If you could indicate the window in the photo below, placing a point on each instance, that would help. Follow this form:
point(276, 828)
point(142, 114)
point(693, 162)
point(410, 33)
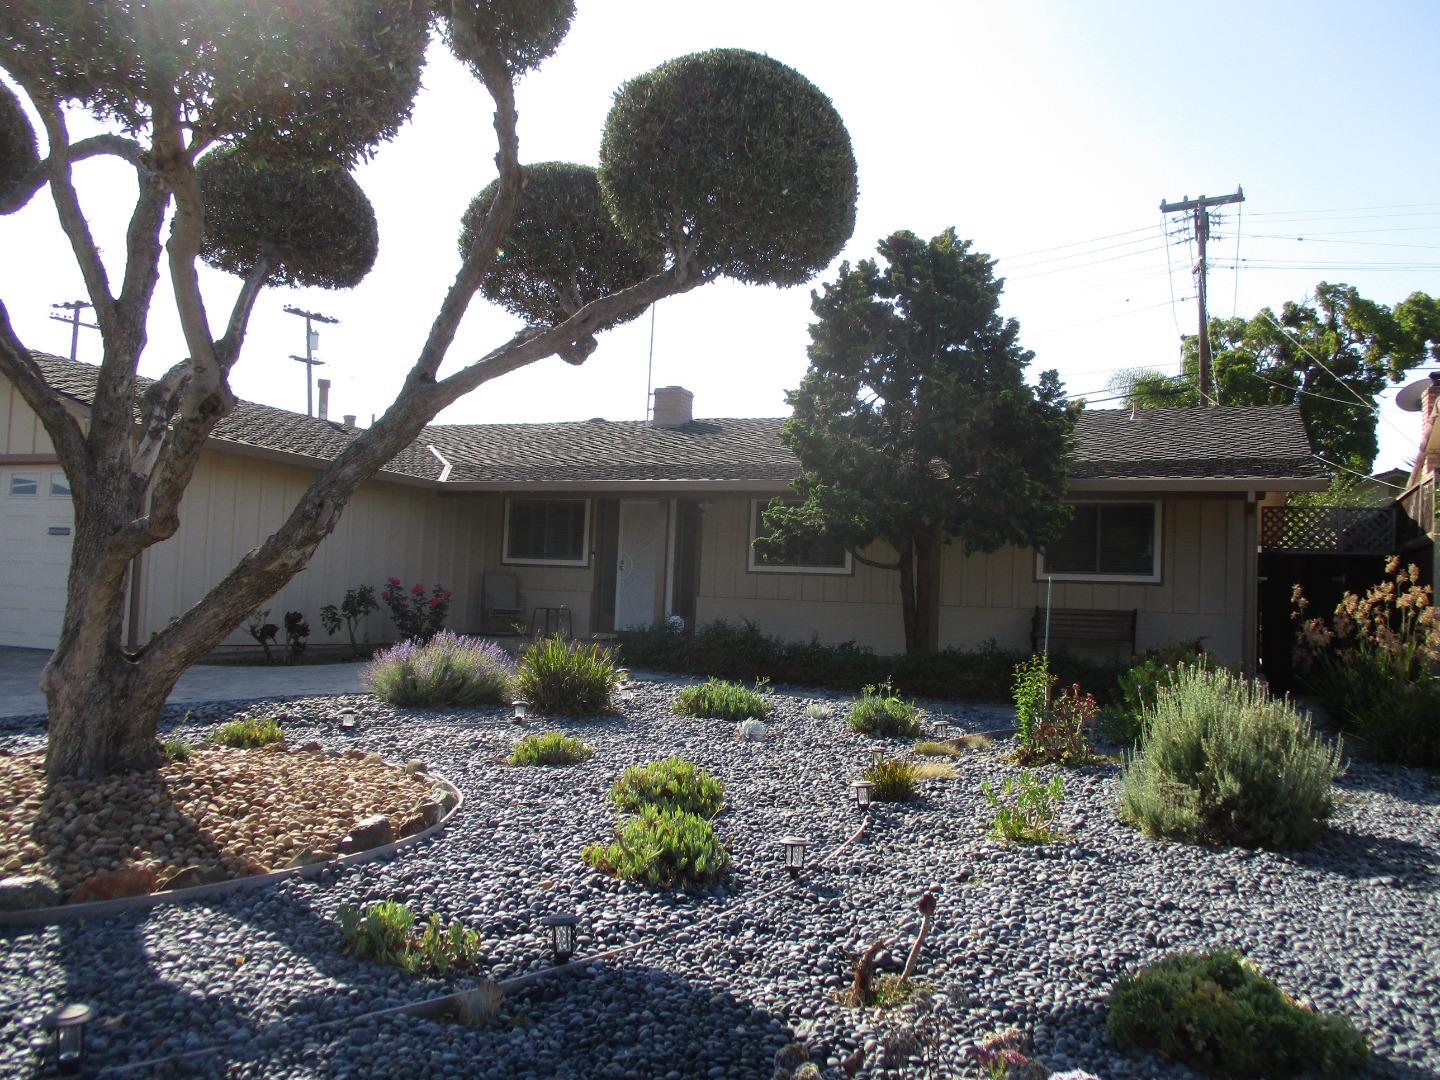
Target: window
point(24, 485)
point(555, 531)
point(1107, 542)
point(59, 485)
point(820, 557)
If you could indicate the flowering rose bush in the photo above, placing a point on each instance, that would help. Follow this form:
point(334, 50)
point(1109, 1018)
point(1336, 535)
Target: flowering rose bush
point(1373, 665)
point(415, 616)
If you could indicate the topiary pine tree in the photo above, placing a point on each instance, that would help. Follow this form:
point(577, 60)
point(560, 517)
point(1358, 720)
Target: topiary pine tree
point(239, 118)
point(914, 424)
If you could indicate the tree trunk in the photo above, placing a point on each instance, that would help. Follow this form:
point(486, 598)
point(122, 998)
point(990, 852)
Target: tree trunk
point(917, 595)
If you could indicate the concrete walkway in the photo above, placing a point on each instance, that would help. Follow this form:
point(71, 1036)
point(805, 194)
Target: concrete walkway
point(20, 678)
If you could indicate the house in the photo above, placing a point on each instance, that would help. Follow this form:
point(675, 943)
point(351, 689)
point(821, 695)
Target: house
point(624, 523)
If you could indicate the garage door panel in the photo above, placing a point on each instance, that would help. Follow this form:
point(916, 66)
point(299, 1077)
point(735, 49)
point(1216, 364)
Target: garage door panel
point(35, 540)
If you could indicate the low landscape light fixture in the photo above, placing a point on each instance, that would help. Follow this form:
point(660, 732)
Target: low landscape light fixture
point(862, 791)
point(942, 729)
point(522, 709)
point(562, 936)
point(794, 853)
point(67, 1035)
point(877, 755)
point(347, 719)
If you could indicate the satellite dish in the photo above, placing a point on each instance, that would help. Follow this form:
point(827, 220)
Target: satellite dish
point(1412, 398)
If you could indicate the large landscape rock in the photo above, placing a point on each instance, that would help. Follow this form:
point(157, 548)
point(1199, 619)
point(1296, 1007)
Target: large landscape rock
point(370, 833)
point(26, 892)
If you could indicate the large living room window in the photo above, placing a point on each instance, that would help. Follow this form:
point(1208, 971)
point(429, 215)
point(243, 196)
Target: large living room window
point(820, 557)
point(1106, 541)
point(551, 531)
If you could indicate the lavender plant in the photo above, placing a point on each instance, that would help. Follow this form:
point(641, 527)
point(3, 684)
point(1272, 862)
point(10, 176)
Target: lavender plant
point(448, 671)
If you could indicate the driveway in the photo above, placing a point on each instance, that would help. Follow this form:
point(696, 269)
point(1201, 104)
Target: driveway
point(20, 678)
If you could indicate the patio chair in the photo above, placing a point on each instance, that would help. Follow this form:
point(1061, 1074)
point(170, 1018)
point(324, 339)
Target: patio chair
point(500, 597)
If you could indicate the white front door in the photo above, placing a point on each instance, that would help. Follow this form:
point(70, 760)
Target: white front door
point(36, 525)
point(638, 566)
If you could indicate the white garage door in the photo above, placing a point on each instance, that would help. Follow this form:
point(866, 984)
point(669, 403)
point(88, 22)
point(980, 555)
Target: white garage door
point(36, 523)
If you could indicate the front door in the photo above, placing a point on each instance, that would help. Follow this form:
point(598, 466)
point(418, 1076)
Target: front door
point(638, 563)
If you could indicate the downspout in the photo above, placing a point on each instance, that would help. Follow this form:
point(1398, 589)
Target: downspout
point(1250, 618)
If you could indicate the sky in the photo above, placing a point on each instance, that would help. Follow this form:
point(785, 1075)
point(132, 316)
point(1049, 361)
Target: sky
point(1046, 132)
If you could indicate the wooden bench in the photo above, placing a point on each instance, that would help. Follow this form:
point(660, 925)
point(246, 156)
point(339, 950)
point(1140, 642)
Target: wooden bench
point(1083, 624)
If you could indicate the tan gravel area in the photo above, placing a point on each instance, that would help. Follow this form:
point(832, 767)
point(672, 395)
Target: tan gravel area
point(227, 812)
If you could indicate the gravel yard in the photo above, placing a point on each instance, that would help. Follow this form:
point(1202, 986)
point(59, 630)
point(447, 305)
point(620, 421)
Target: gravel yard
point(1023, 936)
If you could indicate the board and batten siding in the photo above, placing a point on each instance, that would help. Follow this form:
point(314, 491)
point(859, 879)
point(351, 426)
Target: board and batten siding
point(20, 429)
point(234, 502)
point(1201, 593)
point(572, 587)
point(862, 606)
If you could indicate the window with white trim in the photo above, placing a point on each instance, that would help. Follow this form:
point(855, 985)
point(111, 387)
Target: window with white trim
point(1106, 541)
point(59, 486)
point(555, 532)
point(817, 557)
point(24, 485)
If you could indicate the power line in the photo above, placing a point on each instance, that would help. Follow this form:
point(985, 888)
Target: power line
point(1077, 243)
point(1355, 472)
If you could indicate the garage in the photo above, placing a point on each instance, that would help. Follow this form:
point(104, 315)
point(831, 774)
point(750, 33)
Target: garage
point(36, 526)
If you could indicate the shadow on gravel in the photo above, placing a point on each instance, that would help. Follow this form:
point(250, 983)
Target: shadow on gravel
point(1409, 785)
point(624, 1022)
point(1359, 855)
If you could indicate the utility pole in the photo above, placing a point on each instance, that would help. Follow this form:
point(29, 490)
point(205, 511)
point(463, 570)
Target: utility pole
point(74, 307)
point(1201, 209)
point(312, 338)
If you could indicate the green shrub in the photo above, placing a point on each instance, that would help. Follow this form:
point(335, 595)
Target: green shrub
point(551, 748)
point(445, 672)
point(720, 700)
point(1024, 808)
point(385, 932)
point(881, 713)
point(566, 678)
point(1224, 762)
point(740, 652)
point(1138, 684)
point(176, 749)
point(1050, 728)
point(671, 782)
point(894, 780)
point(662, 846)
point(1373, 665)
point(248, 732)
point(1217, 1013)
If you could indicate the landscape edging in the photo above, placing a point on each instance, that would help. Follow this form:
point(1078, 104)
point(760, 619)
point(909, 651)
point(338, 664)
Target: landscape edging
point(49, 916)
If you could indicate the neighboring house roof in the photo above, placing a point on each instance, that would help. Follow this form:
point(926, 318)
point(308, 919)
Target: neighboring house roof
point(1229, 443)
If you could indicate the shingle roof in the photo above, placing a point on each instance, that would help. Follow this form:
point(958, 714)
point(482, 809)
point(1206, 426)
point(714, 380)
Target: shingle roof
point(598, 450)
point(1221, 442)
point(250, 424)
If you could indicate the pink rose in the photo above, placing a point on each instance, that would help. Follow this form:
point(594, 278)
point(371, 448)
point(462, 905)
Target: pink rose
point(393, 582)
point(418, 590)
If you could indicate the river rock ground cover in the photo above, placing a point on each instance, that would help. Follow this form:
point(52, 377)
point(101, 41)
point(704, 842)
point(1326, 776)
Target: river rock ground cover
point(1029, 937)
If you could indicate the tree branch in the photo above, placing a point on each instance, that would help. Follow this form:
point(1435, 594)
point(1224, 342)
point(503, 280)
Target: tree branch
point(72, 219)
point(94, 146)
point(478, 260)
point(64, 430)
point(875, 562)
point(228, 347)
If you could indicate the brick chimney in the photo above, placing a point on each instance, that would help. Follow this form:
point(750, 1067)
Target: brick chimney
point(674, 407)
point(324, 409)
point(349, 419)
point(1427, 461)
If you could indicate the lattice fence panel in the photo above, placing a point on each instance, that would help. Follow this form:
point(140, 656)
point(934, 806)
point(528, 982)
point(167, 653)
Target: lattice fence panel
point(1335, 530)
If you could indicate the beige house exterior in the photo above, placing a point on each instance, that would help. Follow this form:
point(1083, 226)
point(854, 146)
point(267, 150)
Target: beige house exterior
point(628, 523)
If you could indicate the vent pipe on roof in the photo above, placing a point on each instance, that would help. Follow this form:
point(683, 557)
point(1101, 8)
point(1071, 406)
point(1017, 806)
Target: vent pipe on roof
point(674, 407)
point(324, 411)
